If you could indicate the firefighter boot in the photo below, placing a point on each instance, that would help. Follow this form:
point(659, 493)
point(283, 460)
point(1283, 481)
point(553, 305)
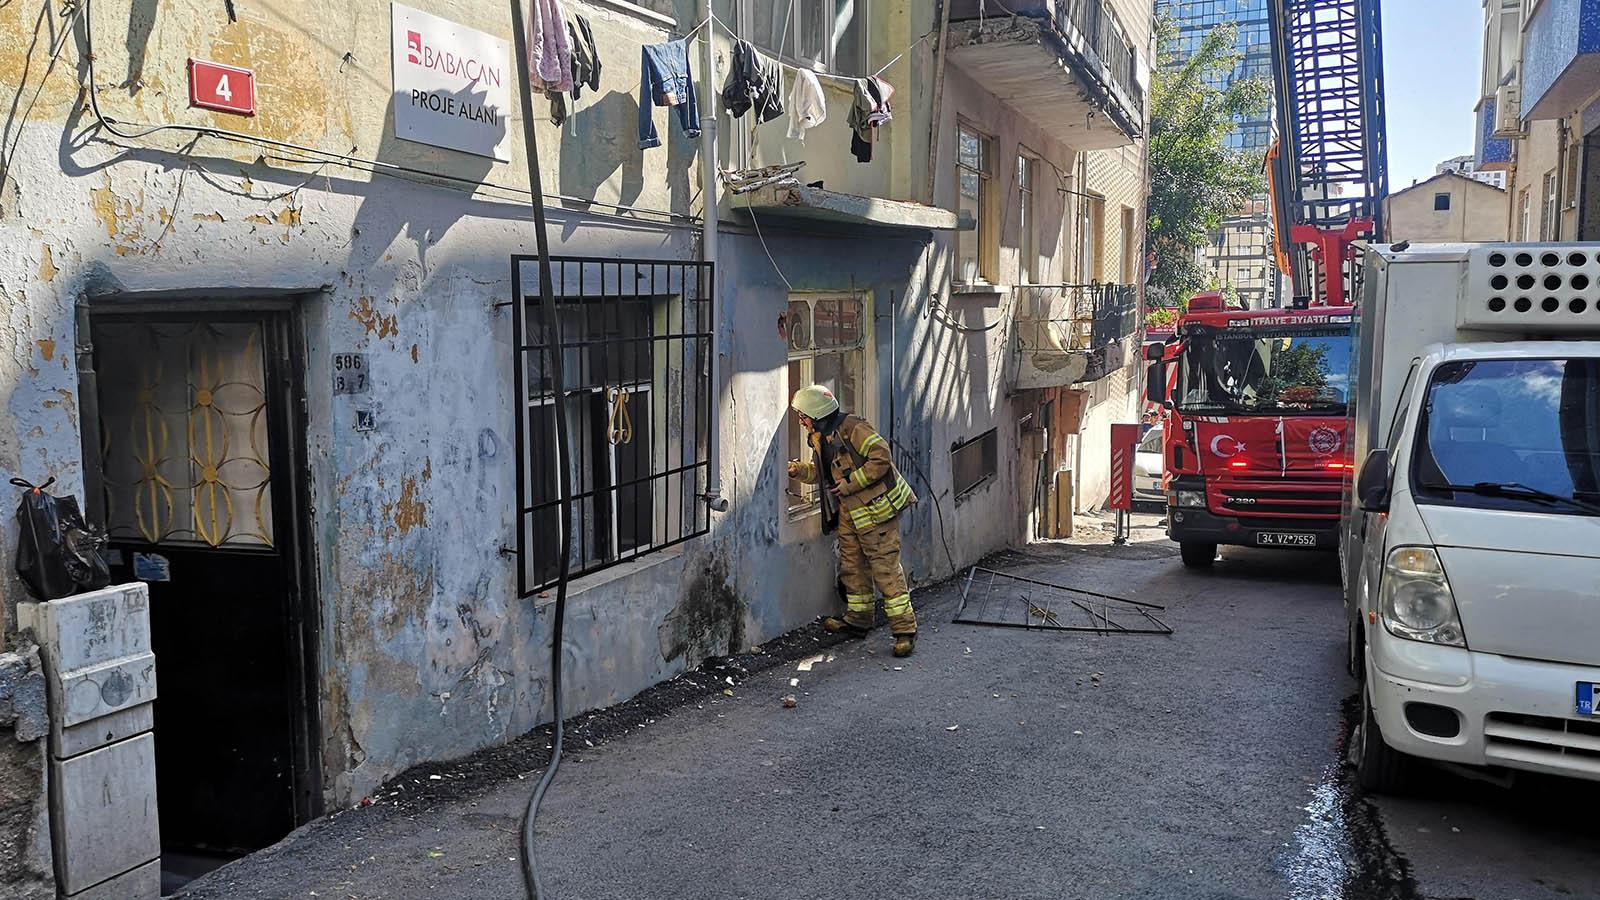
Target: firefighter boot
point(905, 643)
point(841, 625)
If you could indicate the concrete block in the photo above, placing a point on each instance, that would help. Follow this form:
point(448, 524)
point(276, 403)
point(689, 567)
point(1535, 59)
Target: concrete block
point(124, 723)
point(97, 653)
point(143, 883)
point(103, 813)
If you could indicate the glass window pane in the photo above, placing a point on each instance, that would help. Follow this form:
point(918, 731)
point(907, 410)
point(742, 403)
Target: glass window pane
point(815, 29)
point(969, 152)
point(850, 322)
point(849, 37)
point(826, 316)
point(798, 323)
point(798, 492)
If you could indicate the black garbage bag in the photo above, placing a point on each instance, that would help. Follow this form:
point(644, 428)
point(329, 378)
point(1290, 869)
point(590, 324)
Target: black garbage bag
point(58, 554)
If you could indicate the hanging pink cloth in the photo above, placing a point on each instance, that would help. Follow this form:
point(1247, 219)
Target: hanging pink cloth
point(549, 52)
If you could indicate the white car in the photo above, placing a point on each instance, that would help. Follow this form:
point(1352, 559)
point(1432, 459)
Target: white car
point(1147, 471)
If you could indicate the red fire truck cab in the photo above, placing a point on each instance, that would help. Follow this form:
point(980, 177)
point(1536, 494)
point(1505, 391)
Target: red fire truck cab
point(1255, 450)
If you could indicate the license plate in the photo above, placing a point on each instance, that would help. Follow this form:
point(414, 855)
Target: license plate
point(1285, 539)
point(1588, 695)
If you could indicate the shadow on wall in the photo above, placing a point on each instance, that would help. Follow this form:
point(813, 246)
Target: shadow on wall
point(598, 141)
point(379, 220)
point(141, 21)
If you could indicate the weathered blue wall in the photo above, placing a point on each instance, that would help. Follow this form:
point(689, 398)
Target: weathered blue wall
point(1490, 148)
point(1558, 34)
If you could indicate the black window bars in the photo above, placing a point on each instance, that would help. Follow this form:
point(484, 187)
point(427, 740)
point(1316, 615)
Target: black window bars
point(636, 338)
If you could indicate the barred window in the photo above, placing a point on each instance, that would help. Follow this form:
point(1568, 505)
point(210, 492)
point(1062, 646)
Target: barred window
point(635, 339)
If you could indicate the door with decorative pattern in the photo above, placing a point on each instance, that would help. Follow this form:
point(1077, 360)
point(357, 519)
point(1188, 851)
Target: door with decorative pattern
point(195, 456)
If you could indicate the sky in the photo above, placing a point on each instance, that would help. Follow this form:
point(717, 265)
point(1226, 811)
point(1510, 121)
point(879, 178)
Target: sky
point(1432, 58)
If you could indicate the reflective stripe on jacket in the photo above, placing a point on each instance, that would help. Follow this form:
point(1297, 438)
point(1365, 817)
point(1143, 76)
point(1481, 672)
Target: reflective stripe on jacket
point(871, 489)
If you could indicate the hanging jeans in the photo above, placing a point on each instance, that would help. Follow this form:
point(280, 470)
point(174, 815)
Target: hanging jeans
point(664, 80)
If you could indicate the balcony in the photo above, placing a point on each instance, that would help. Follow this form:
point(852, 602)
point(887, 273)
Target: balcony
point(1072, 333)
point(1560, 58)
point(1066, 65)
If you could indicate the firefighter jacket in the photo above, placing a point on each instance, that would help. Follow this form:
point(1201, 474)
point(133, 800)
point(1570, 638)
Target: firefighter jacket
point(871, 489)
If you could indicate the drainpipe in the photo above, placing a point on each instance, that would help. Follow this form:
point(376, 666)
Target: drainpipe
point(938, 98)
point(708, 244)
point(94, 495)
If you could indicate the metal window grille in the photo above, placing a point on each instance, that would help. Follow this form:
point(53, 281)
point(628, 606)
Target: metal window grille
point(974, 462)
point(636, 338)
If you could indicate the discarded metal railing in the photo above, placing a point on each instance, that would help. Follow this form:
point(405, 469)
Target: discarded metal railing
point(1012, 601)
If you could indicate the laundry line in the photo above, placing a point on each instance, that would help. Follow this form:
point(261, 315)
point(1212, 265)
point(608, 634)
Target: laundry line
point(850, 79)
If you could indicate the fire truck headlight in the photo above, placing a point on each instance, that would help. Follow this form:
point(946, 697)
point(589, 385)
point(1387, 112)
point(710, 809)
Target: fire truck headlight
point(1190, 499)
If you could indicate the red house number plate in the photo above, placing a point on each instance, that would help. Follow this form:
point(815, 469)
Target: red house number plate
point(223, 88)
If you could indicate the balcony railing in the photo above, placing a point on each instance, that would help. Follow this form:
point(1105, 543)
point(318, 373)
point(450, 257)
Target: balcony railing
point(1089, 28)
point(1068, 333)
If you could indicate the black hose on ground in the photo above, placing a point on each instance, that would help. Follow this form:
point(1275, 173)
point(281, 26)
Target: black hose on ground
point(531, 881)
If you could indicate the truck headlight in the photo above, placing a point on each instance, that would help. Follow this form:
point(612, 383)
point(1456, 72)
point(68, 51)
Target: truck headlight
point(1190, 499)
point(1415, 599)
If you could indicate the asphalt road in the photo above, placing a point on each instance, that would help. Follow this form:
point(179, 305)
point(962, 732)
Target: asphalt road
point(995, 763)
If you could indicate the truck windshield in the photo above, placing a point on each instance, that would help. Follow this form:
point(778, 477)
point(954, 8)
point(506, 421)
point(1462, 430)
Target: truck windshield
point(1512, 434)
point(1284, 371)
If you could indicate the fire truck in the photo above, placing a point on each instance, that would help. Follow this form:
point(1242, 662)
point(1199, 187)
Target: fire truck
point(1256, 435)
point(1255, 445)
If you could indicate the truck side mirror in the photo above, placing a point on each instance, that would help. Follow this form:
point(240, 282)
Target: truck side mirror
point(1155, 351)
point(1155, 385)
point(1372, 487)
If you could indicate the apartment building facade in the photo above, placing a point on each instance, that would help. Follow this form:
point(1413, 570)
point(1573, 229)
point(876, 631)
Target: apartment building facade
point(291, 351)
point(1539, 116)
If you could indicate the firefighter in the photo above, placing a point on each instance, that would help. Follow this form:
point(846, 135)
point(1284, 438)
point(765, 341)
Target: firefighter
point(863, 499)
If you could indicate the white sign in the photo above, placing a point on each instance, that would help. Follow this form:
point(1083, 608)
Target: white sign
point(452, 85)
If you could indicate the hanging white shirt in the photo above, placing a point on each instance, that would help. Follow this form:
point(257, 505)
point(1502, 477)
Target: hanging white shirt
point(807, 108)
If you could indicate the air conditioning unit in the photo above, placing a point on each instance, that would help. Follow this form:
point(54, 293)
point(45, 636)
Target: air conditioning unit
point(1508, 111)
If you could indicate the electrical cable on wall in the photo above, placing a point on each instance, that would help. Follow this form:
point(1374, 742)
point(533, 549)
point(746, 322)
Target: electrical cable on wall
point(555, 369)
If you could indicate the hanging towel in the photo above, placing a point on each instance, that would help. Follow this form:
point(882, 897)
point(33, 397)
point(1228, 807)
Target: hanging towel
point(665, 80)
point(753, 82)
point(870, 110)
point(807, 108)
point(549, 53)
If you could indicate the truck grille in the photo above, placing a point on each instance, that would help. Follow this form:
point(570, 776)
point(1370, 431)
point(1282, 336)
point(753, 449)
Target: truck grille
point(1564, 744)
point(1272, 501)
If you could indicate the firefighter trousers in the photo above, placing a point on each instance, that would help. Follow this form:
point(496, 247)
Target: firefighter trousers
point(870, 559)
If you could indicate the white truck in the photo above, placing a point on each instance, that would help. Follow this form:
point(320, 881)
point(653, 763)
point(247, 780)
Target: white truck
point(1470, 540)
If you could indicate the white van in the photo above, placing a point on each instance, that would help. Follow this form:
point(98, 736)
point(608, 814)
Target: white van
point(1471, 536)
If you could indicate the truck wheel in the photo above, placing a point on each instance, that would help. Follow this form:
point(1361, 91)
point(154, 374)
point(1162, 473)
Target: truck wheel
point(1380, 769)
point(1197, 555)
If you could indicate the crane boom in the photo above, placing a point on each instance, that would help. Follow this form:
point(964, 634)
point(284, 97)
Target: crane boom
point(1330, 169)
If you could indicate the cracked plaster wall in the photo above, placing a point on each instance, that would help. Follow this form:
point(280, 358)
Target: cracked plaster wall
point(425, 651)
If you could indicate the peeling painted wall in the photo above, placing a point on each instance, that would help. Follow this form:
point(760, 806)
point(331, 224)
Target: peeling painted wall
point(425, 651)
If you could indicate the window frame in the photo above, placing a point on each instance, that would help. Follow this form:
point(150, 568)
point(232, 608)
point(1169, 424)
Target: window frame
point(1442, 195)
point(801, 500)
point(1549, 213)
point(790, 54)
point(1091, 237)
point(1524, 212)
point(988, 445)
point(1027, 218)
point(1130, 248)
point(984, 233)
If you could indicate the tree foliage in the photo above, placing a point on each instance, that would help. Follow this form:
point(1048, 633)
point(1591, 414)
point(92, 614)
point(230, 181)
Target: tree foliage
point(1195, 179)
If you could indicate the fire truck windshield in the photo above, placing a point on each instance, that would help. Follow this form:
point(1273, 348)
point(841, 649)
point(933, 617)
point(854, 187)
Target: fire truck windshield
point(1278, 371)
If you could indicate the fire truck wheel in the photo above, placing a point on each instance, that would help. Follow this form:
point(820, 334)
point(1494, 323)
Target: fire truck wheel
point(1197, 555)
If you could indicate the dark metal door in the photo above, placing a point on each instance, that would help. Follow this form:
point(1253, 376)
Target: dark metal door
point(197, 459)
